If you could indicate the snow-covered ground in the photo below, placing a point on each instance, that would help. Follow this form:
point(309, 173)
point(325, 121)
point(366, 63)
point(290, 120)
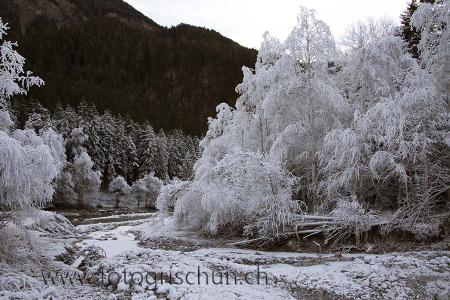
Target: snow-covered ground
point(158, 261)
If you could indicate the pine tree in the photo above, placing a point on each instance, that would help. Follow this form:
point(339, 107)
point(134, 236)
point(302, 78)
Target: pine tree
point(132, 150)
point(108, 148)
point(65, 120)
point(161, 159)
point(409, 34)
point(131, 158)
point(176, 146)
point(92, 126)
point(146, 149)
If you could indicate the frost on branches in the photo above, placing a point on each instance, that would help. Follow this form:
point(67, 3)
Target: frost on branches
point(120, 188)
point(347, 135)
point(79, 182)
point(244, 189)
point(27, 164)
point(395, 153)
point(146, 190)
point(170, 194)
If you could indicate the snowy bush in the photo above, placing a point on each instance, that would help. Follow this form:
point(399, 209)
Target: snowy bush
point(170, 194)
point(242, 189)
point(50, 222)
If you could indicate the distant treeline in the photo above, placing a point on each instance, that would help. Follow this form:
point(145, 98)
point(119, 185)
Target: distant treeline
point(117, 146)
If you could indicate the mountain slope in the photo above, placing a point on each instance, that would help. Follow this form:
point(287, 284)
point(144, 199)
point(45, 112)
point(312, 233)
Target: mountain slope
point(108, 53)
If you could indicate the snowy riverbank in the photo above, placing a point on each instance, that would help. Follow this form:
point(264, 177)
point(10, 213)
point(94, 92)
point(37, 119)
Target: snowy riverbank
point(166, 263)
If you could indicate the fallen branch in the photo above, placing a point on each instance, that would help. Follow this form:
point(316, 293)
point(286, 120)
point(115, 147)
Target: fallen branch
point(245, 242)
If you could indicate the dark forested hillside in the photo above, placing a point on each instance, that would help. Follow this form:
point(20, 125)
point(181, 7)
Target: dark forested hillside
point(106, 52)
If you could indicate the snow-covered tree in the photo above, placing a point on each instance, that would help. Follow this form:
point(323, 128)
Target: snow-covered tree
point(146, 148)
point(146, 190)
point(14, 79)
point(120, 188)
point(79, 175)
point(26, 176)
point(287, 106)
point(56, 144)
point(396, 152)
point(65, 195)
point(432, 21)
point(27, 167)
point(160, 160)
point(302, 102)
point(154, 185)
point(86, 181)
point(362, 34)
point(139, 191)
point(39, 119)
point(243, 191)
point(373, 72)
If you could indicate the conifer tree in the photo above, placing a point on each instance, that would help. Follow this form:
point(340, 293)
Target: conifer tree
point(146, 149)
point(409, 34)
point(161, 159)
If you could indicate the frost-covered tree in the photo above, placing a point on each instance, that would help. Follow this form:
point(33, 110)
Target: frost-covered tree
point(287, 106)
point(361, 34)
point(303, 102)
point(27, 167)
point(65, 120)
point(146, 190)
point(394, 154)
point(182, 151)
point(373, 72)
point(26, 177)
point(154, 185)
point(86, 181)
point(432, 21)
point(369, 130)
point(243, 191)
point(139, 191)
point(79, 176)
point(14, 79)
point(120, 188)
point(39, 119)
point(56, 144)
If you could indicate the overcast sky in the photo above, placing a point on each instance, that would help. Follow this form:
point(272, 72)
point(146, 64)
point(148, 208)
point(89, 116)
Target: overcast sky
point(245, 21)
